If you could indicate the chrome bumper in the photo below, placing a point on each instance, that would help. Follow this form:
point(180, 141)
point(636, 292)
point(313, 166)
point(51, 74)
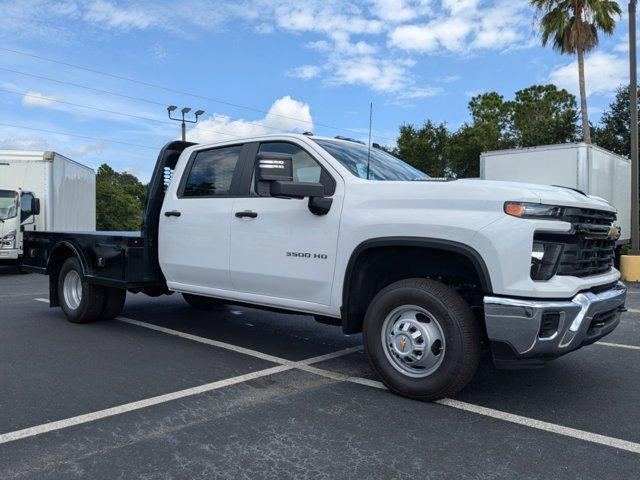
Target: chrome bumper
point(514, 325)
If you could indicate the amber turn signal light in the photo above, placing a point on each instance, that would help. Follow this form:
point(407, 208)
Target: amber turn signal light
point(515, 209)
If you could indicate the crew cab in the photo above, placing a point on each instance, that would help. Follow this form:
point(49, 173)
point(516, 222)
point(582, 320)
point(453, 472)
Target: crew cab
point(430, 270)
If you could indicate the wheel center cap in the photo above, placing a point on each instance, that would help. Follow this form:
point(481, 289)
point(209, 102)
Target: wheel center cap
point(402, 344)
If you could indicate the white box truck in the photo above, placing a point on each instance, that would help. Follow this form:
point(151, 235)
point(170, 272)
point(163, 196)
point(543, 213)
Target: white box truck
point(588, 168)
point(42, 191)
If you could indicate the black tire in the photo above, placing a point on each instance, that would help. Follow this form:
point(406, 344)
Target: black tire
point(92, 299)
point(200, 302)
point(458, 325)
point(113, 303)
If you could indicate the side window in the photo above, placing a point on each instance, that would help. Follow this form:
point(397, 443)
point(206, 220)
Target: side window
point(305, 168)
point(211, 172)
point(25, 206)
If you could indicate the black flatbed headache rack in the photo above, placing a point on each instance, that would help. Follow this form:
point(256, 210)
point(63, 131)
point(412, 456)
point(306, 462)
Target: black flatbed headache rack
point(127, 260)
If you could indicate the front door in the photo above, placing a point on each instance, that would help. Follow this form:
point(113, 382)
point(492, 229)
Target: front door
point(283, 251)
point(195, 222)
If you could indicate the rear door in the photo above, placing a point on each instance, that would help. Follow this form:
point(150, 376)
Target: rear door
point(283, 251)
point(194, 231)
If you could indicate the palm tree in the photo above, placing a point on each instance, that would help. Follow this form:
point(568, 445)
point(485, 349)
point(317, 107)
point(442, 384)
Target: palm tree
point(572, 26)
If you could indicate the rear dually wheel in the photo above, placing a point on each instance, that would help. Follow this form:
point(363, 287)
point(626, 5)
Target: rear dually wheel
point(80, 301)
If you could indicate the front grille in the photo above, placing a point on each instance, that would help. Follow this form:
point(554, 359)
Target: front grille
point(584, 256)
point(587, 250)
point(584, 216)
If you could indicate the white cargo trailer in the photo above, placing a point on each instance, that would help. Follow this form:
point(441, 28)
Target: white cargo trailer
point(42, 191)
point(588, 168)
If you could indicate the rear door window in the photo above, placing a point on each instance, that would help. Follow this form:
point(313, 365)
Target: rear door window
point(211, 172)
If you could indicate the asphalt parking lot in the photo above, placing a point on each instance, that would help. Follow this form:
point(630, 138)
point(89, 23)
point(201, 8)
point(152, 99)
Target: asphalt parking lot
point(168, 392)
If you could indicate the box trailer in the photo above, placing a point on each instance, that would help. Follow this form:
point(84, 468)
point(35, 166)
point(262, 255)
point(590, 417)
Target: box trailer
point(42, 191)
point(588, 168)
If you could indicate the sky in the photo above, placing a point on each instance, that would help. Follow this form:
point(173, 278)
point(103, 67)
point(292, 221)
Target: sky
point(91, 79)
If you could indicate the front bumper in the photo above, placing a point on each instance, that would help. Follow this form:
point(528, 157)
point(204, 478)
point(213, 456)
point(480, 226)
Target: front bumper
point(525, 333)
point(9, 255)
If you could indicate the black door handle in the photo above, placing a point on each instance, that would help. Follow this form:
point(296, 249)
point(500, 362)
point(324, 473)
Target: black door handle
point(246, 213)
point(172, 213)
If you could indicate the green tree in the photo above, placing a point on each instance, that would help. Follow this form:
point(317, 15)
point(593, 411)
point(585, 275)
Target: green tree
point(465, 146)
point(119, 200)
point(492, 115)
point(613, 133)
point(538, 115)
point(424, 148)
point(572, 26)
point(543, 115)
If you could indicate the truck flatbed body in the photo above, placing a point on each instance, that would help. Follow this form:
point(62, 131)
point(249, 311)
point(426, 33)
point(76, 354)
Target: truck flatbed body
point(116, 259)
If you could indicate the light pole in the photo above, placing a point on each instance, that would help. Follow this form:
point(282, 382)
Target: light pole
point(184, 121)
point(633, 104)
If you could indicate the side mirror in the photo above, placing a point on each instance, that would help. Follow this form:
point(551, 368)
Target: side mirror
point(35, 206)
point(296, 189)
point(274, 167)
point(274, 177)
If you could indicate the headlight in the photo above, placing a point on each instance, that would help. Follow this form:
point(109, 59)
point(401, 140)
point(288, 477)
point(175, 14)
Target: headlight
point(533, 210)
point(9, 240)
point(544, 259)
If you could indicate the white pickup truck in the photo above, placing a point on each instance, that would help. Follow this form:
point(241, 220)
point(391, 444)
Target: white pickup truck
point(429, 270)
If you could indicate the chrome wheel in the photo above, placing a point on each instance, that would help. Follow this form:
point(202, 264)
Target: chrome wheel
point(413, 341)
point(72, 289)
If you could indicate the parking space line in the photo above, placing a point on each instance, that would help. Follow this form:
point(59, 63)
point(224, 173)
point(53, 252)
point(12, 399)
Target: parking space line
point(618, 345)
point(546, 426)
point(305, 365)
point(148, 402)
point(9, 295)
point(129, 407)
point(499, 415)
point(207, 341)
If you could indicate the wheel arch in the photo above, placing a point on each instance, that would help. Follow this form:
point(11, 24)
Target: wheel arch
point(353, 308)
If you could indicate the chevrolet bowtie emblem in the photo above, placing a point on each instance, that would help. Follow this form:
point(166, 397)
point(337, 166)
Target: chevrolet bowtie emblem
point(614, 232)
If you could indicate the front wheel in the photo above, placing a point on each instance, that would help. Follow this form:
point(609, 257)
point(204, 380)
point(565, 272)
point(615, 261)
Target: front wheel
point(422, 338)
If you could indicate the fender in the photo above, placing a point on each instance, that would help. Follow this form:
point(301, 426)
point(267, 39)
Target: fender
point(76, 251)
point(432, 243)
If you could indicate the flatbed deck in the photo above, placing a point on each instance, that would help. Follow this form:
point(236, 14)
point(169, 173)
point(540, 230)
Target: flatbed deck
point(115, 259)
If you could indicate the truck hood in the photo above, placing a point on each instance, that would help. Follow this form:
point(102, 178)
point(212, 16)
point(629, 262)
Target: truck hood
point(547, 194)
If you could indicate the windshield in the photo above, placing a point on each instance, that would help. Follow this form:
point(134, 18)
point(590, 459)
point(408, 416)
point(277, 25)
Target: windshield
point(382, 166)
point(8, 204)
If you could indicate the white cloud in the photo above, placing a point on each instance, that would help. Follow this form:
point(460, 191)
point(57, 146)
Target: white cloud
point(463, 26)
point(37, 99)
point(398, 11)
point(324, 16)
point(381, 75)
point(264, 29)
point(114, 16)
point(604, 72)
point(285, 114)
point(420, 92)
point(448, 34)
point(306, 72)
point(23, 142)
point(96, 147)
point(352, 39)
point(623, 44)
